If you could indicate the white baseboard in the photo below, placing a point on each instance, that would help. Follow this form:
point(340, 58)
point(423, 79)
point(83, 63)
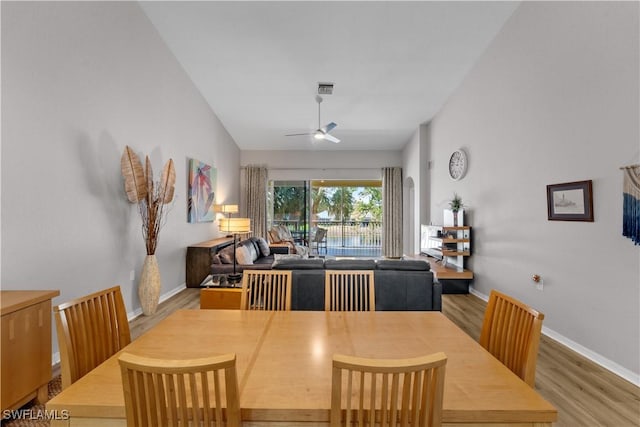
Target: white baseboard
point(597, 358)
point(138, 311)
point(55, 357)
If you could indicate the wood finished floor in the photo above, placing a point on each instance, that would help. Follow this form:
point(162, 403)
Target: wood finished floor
point(585, 394)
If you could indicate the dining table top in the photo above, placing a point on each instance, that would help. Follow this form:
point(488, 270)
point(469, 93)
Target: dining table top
point(284, 364)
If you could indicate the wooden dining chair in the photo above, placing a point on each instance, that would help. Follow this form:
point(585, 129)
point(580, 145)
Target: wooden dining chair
point(511, 332)
point(349, 290)
point(384, 392)
point(266, 290)
point(90, 330)
point(173, 393)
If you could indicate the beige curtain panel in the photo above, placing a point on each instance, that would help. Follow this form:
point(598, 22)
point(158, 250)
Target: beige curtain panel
point(392, 212)
point(254, 193)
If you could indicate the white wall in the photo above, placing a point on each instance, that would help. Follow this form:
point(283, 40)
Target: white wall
point(554, 99)
point(415, 165)
point(80, 80)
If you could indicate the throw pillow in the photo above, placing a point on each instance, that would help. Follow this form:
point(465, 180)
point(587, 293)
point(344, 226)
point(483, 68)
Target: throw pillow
point(226, 255)
point(252, 250)
point(264, 247)
point(216, 259)
point(243, 256)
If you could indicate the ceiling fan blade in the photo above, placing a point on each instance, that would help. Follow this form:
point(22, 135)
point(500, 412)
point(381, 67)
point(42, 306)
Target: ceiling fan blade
point(329, 127)
point(331, 138)
point(298, 134)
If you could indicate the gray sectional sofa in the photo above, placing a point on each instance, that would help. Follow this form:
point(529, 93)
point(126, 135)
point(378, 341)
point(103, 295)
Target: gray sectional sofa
point(399, 284)
point(260, 254)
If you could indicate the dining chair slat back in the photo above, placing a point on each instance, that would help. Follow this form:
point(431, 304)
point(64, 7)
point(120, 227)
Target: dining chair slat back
point(387, 392)
point(90, 329)
point(511, 332)
point(173, 393)
point(349, 290)
point(266, 290)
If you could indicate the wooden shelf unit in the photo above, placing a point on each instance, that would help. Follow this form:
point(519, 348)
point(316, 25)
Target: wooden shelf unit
point(447, 249)
point(451, 242)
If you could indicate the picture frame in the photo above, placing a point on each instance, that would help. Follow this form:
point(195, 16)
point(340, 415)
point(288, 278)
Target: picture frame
point(570, 201)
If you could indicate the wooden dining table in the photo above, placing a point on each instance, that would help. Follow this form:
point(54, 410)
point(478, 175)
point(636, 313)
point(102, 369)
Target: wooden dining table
point(284, 366)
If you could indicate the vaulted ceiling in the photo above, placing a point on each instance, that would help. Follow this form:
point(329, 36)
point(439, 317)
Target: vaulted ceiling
point(393, 64)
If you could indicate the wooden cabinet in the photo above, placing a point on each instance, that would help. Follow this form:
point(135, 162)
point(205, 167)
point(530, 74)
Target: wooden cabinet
point(26, 346)
point(227, 298)
point(198, 265)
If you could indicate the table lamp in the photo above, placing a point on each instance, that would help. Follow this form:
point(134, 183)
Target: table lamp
point(226, 209)
point(234, 226)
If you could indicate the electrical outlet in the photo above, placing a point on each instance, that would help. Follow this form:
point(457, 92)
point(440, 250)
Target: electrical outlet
point(539, 282)
point(132, 275)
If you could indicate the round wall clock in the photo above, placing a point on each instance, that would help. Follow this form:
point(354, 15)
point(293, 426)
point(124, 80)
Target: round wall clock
point(458, 164)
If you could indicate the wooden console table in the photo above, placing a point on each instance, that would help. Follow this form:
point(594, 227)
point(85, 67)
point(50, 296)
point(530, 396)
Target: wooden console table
point(26, 346)
point(198, 264)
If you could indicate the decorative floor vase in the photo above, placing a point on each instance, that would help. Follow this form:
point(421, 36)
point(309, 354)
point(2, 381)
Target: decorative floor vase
point(149, 286)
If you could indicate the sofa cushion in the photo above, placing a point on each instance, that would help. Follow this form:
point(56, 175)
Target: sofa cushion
point(405, 265)
point(264, 247)
point(252, 250)
point(244, 255)
point(350, 264)
point(226, 255)
point(298, 264)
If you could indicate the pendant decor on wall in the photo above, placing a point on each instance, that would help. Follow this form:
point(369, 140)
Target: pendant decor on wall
point(631, 203)
point(202, 184)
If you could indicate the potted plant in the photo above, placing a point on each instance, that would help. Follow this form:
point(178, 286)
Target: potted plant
point(455, 204)
point(151, 199)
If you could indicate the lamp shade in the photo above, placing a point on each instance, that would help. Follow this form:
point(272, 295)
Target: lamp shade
point(226, 208)
point(235, 225)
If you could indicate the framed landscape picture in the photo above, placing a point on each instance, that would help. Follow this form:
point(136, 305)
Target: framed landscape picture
point(571, 201)
point(202, 184)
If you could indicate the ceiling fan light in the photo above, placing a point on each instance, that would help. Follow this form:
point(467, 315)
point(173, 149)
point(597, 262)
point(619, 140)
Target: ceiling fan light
point(318, 135)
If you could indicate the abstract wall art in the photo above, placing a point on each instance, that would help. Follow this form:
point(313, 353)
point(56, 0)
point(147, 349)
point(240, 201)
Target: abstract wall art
point(202, 185)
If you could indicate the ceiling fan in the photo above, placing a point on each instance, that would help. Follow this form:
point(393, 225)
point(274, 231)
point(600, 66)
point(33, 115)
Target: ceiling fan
point(321, 132)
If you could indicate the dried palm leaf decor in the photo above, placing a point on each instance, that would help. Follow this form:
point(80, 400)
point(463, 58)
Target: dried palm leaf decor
point(151, 198)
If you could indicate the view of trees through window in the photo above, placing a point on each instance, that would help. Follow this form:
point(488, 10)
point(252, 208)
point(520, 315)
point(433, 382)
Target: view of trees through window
point(351, 211)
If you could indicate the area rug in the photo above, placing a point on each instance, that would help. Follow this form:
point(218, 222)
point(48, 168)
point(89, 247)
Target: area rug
point(32, 415)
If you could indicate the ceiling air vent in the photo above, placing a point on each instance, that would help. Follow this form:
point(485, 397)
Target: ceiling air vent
point(325, 88)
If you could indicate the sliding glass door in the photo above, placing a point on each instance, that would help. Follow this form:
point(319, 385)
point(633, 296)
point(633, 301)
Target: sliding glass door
point(350, 211)
point(289, 206)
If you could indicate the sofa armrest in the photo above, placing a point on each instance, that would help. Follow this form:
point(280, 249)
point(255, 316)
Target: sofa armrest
point(437, 296)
